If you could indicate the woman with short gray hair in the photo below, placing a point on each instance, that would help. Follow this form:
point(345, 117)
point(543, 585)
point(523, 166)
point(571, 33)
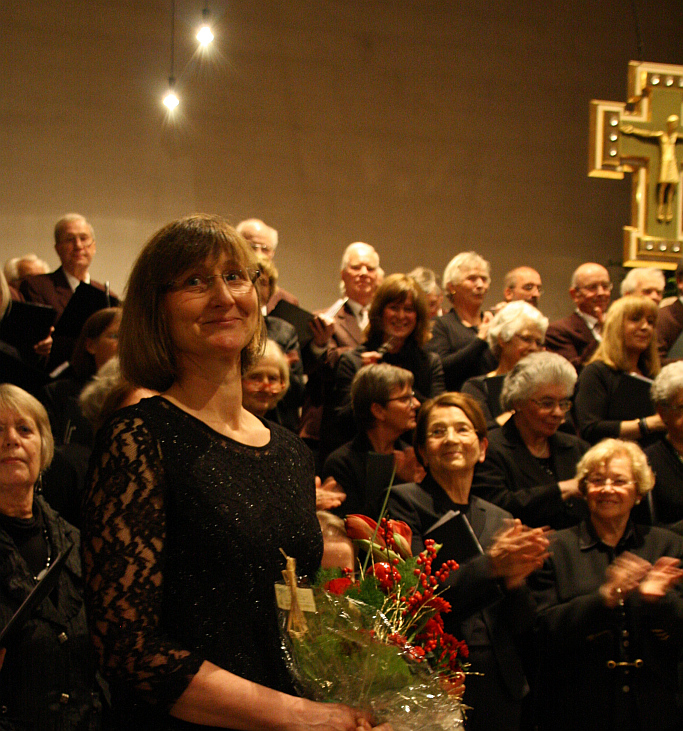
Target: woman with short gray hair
point(666, 455)
point(530, 465)
point(517, 330)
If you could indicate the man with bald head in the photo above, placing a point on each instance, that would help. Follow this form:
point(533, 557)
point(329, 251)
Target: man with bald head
point(337, 329)
point(263, 240)
point(576, 337)
point(523, 283)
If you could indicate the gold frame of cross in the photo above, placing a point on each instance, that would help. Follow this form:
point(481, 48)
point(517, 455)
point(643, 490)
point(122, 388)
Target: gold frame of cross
point(626, 137)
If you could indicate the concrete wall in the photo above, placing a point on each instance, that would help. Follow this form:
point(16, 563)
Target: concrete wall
point(422, 127)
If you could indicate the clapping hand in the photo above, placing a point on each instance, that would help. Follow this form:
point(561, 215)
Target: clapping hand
point(660, 579)
point(408, 469)
point(322, 328)
point(623, 576)
point(328, 494)
point(518, 551)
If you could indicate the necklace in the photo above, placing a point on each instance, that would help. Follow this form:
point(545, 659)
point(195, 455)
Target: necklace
point(48, 545)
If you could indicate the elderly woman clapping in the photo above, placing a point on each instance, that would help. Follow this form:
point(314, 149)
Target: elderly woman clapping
point(530, 466)
point(487, 594)
point(48, 677)
point(517, 330)
point(609, 627)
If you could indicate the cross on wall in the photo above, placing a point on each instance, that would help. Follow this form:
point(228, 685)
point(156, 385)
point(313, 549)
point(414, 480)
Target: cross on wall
point(624, 138)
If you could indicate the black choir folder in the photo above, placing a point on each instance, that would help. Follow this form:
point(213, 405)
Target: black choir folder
point(86, 300)
point(40, 591)
point(297, 317)
point(26, 323)
point(455, 533)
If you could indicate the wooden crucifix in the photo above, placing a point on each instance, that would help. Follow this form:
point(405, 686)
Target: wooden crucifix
point(643, 137)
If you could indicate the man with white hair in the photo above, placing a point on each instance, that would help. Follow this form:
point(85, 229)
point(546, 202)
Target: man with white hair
point(459, 336)
point(576, 337)
point(647, 282)
point(263, 239)
point(20, 267)
point(75, 246)
point(337, 329)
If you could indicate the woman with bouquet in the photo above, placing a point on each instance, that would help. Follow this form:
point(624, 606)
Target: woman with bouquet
point(488, 597)
point(191, 499)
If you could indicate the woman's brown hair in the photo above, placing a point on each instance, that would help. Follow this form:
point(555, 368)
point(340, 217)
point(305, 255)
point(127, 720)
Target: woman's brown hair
point(146, 350)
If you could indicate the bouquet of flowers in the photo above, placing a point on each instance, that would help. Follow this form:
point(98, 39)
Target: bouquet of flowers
point(378, 641)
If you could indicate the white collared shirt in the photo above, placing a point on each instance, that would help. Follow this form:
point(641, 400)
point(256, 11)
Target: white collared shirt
point(74, 281)
point(592, 323)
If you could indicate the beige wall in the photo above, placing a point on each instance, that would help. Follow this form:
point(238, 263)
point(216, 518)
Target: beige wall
point(422, 127)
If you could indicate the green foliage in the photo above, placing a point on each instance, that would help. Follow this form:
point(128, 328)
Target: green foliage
point(368, 592)
point(325, 575)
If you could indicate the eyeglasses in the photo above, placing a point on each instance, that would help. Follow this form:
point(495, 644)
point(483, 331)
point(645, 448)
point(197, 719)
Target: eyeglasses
point(265, 248)
point(461, 431)
point(272, 383)
point(530, 339)
point(407, 399)
point(593, 288)
point(617, 482)
point(238, 281)
point(550, 404)
point(530, 287)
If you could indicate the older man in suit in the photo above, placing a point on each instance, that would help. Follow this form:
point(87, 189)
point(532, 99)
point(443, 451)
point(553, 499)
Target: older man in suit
point(75, 246)
point(337, 329)
point(576, 337)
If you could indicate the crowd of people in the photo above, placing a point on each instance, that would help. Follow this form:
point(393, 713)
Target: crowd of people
point(183, 438)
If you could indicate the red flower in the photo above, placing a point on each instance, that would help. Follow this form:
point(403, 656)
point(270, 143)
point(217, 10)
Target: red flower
point(440, 604)
point(360, 527)
point(403, 536)
point(338, 586)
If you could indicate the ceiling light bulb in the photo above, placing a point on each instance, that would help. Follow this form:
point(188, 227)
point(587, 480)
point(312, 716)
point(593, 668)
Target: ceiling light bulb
point(171, 101)
point(205, 36)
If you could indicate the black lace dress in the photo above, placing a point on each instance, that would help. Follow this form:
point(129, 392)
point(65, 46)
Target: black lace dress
point(182, 533)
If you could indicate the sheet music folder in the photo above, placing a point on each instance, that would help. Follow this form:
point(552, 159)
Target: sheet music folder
point(39, 592)
point(26, 323)
point(458, 540)
point(297, 317)
point(85, 301)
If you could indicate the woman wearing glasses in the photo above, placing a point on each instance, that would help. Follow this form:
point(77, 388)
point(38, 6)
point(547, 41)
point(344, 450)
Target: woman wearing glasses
point(530, 466)
point(191, 499)
point(266, 382)
point(488, 597)
point(612, 394)
point(610, 607)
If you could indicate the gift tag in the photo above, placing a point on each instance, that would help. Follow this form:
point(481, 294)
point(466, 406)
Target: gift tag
point(284, 598)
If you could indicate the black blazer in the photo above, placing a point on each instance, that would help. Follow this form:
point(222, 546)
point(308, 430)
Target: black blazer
point(483, 613)
point(349, 467)
point(338, 425)
point(578, 635)
point(513, 478)
point(462, 353)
